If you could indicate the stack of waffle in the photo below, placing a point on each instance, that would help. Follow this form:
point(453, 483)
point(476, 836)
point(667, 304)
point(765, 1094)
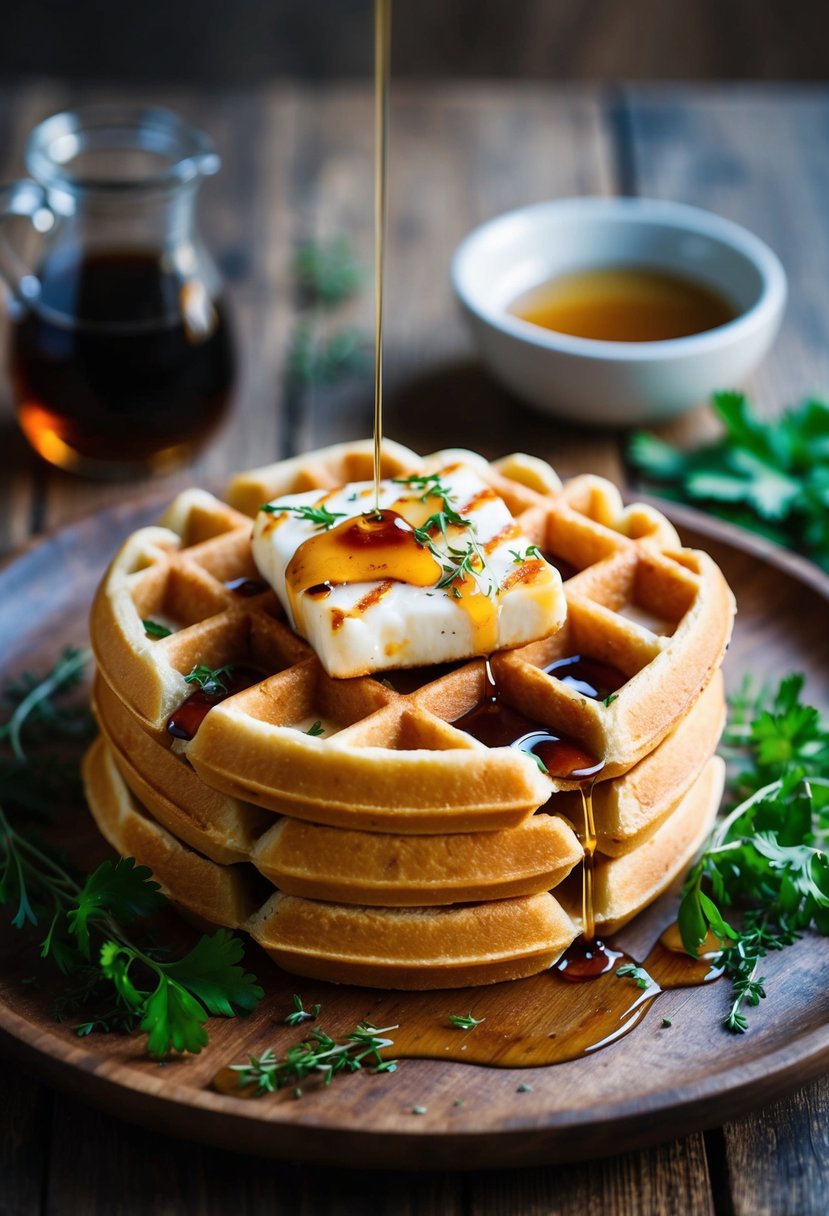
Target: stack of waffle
point(352, 826)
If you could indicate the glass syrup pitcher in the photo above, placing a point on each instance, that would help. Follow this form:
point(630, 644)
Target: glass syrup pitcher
point(121, 355)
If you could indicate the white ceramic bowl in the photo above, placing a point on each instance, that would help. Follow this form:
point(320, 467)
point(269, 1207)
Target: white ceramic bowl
point(614, 383)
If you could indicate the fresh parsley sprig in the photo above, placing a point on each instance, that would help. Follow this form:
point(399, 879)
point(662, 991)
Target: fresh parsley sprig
point(766, 858)
point(86, 919)
point(317, 1056)
point(769, 476)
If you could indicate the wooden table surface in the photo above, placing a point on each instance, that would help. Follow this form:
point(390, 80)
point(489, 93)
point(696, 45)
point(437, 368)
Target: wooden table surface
point(296, 165)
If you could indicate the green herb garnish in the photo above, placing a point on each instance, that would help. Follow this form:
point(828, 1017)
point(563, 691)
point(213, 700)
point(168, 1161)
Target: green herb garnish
point(631, 971)
point(609, 699)
point(767, 855)
point(154, 630)
point(531, 551)
point(327, 272)
point(464, 1021)
point(316, 729)
point(314, 359)
point(34, 702)
point(320, 516)
point(318, 1055)
point(209, 679)
point(539, 762)
point(769, 476)
point(83, 918)
point(300, 1013)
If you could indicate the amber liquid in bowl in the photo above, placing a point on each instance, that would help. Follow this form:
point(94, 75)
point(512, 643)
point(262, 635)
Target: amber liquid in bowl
point(121, 365)
point(625, 304)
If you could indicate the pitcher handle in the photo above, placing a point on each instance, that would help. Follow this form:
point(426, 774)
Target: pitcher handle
point(28, 200)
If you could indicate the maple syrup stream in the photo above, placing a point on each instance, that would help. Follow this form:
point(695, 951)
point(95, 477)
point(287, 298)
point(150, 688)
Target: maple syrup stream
point(382, 55)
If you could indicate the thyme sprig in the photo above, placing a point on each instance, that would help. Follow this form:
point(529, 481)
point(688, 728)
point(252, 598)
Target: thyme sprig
point(456, 562)
point(318, 515)
point(319, 1056)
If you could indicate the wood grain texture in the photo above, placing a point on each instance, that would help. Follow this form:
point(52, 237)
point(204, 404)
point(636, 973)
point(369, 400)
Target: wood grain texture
point(777, 1160)
point(670, 1178)
point(25, 1114)
point(550, 39)
point(101, 1166)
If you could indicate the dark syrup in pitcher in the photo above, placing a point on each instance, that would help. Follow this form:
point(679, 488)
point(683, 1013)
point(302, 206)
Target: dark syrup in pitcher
point(121, 363)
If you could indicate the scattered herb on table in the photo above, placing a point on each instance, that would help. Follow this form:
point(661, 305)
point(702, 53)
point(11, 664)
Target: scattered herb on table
point(317, 1056)
point(769, 476)
point(300, 1014)
point(633, 972)
point(464, 1021)
point(85, 918)
point(767, 856)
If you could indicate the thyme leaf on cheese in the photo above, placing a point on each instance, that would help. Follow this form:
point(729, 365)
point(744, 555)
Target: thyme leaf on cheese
point(532, 551)
point(318, 515)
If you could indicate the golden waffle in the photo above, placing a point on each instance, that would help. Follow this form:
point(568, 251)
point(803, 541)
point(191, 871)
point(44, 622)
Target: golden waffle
point(407, 852)
point(393, 947)
point(470, 943)
point(223, 895)
point(333, 863)
point(390, 758)
point(373, 868)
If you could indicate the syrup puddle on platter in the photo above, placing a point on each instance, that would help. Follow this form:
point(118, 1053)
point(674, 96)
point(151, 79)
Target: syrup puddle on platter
point(575, 1009)
point(549, 1018)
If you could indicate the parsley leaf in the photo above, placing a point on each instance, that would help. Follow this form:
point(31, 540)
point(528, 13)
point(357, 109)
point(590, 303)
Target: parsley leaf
point(769, 476)
point(127, 985)
point(767, 856)
point(122, 889)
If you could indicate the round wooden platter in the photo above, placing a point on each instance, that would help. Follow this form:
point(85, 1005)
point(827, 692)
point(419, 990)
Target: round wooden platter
point(656, 1083)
